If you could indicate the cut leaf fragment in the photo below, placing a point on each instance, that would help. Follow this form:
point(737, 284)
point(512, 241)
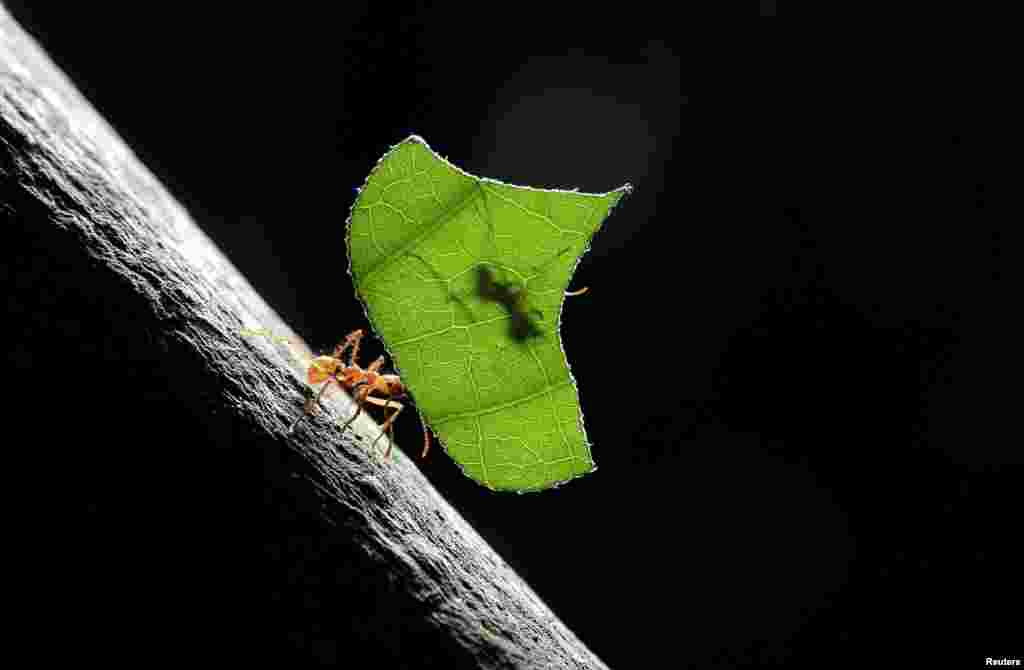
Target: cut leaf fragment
point(463, 278)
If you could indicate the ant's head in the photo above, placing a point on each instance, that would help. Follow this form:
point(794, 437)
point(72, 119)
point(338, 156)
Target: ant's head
point(321, 368)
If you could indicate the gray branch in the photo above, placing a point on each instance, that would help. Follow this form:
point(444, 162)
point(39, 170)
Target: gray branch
point(104, 245)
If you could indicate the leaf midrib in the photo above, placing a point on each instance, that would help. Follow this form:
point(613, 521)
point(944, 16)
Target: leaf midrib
point(472, 414)
point(427, 230)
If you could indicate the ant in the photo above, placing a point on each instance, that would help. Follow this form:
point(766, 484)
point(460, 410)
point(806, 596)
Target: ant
point(522, 326)
point(364, 382)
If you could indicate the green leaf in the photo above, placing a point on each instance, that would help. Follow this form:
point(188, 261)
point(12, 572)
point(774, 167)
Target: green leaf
point(463, 278)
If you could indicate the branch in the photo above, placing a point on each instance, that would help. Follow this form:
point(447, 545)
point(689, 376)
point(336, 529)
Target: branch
point(127, 287)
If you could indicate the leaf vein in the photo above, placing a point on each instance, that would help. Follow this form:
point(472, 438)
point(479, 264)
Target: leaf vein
point(551, 388)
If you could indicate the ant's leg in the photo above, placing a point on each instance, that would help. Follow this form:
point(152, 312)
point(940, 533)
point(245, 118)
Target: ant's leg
point(323, 389)
point(352, 418)
point(376, 365)
point(339, 350)
point(426, 442)
point(295, 423)
point(360, 398)
point(579, 292)
point(354, 338)
point(388, 423)
point(389, 426)
point(351, 340)
point(310, 405)
point(384, 428)
point(391, 435)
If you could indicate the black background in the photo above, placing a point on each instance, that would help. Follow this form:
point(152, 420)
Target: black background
point(790, 357)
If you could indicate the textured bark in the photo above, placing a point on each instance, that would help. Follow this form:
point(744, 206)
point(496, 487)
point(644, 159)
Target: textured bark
point(109, 279)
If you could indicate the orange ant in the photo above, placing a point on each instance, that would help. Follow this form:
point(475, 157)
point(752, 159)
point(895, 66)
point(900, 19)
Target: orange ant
point(364, 382)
